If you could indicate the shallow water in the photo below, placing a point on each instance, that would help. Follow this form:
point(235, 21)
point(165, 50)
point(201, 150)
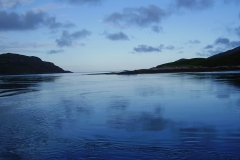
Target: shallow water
point(155, 116)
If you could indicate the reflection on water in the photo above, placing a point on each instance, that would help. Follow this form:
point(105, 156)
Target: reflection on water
point(13, 85)
point(231, 78)
point(149, 90)
point(160, 116)
point(143, 121)
point(119, 102)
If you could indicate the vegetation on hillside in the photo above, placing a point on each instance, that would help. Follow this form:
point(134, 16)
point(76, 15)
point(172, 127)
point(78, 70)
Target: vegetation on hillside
point(228, 58)
point(19, 64)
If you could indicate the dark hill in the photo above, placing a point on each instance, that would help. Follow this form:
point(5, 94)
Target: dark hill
point(226, 61)
point(19, 64)
point(184, 63)
point(228, 58)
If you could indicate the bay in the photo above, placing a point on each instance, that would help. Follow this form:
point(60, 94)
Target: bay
point(152, 116)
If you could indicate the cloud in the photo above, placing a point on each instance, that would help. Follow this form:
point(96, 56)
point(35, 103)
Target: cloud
point(3, 37)
point(51, 23)
point(220, 45)
point(16, 45)
point(46, 7)
point(222, 41)
point(29, 21)
point(208, 47)
point(82, 2)
point(201, 54)
point(146, 48)
point(116, 36)
point(194, 41)
point(55, 51)
point(237, 31)
point(22, 47)
point(157, 29)
point(4, 4)
point(227, 43)
point(170, 47)
point(194, 4)
point(231, 1)
point(213, 51)
point(140, 17)
point(233, 44)
point(67, 38)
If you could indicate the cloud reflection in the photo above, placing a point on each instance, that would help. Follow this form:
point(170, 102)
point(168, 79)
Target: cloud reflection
point(142, 121)
point(197, 136)
point(146, 122)
point(231, 78)
point(71, 114)
point(221, 84)
point(145, 91)
point(238, 102)
point(119, 103)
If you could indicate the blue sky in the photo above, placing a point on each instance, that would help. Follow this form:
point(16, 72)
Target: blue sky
point(105, 35)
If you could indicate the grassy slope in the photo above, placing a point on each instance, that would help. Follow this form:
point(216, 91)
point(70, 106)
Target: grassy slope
point(228, 58)
point(184, 63)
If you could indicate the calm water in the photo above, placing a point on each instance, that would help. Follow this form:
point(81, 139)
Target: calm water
point(158, 116)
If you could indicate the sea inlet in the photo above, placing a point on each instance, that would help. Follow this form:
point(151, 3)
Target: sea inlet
point(147, 116)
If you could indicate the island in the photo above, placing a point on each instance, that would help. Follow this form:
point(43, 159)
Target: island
point(225, 61)
point(15, 64)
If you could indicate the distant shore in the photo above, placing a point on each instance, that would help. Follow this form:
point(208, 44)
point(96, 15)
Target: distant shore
point(173, 70)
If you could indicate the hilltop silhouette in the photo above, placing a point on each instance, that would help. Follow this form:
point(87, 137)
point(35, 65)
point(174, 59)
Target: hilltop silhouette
point(11, 63)
point(228, 58)
point(225, 61)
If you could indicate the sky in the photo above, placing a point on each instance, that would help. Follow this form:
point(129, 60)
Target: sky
point(113, 35)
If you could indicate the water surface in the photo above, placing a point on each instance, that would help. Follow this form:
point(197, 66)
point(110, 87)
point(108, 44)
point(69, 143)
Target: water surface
point(158, 116)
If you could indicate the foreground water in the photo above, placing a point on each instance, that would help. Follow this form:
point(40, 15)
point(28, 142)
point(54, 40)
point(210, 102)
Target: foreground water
point(158, 116)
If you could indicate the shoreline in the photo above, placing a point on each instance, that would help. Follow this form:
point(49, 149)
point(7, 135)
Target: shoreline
point(172, 70)
point(19, 74)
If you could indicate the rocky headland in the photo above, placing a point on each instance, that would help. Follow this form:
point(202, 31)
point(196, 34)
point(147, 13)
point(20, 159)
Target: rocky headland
point(14, 64)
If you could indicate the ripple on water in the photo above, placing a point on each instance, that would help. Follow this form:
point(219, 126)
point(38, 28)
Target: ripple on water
point(140, 122)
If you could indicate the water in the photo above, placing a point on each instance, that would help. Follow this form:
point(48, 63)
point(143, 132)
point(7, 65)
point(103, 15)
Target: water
point(154, 116)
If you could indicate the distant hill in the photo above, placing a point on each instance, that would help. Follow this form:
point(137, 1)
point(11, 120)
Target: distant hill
point(226, 61)
point(19, 64)
point(228, 58)
point(184, 63)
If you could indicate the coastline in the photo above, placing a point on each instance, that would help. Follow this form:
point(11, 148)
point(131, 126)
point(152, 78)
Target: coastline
point(17, 74)
point(173, 70)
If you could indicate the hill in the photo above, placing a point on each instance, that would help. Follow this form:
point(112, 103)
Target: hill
point(184, 63)
point(19, 64)
point(228, 58)
point(226, 61)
